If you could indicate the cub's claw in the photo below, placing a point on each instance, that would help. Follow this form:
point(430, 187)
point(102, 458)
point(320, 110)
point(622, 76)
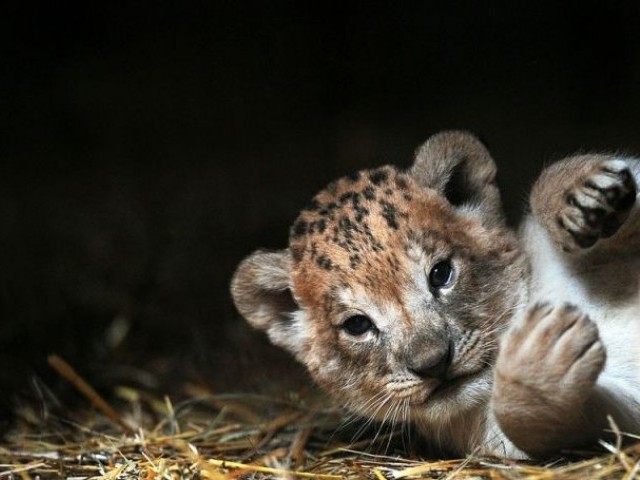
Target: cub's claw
point(597, 206)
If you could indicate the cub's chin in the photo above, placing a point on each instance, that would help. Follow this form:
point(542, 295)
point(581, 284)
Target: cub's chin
point(455, 397)
point(427, 402)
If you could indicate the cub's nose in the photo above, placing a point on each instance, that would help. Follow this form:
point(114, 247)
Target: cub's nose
point(432, 364)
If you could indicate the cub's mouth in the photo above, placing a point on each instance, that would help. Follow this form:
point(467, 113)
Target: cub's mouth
point(449, 386)
point(453, 387)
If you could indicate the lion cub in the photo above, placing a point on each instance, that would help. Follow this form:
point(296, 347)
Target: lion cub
point(407, 298)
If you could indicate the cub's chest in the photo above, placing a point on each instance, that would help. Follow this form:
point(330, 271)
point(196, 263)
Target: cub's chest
point(603, 280)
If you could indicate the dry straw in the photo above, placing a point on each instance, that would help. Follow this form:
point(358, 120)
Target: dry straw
point(242, 436)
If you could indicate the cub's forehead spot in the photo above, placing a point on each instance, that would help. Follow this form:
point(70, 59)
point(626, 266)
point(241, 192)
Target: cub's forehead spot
point(353, 215)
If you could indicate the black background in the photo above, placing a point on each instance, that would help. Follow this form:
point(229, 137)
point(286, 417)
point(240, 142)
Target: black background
point(146, 147)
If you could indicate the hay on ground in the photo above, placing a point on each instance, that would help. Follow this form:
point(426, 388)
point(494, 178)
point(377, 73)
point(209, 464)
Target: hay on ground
point(236, 436)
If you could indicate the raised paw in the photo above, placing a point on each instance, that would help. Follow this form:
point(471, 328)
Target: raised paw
point(596, 204)
point(551, 358)
point(551, 346)
point(547, 367)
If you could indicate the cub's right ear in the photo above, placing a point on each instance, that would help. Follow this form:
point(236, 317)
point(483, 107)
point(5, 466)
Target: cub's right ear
point(260, 288)
point(459, 167)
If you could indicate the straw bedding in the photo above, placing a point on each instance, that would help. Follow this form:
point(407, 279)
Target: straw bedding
point(234, 436)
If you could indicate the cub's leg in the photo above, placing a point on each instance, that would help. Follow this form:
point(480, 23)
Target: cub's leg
point(583, 199)
point(544, 396)
point(553, 388)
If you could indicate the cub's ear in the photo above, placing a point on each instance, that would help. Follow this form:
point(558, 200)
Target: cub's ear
point(260, 288)
point(459, 166)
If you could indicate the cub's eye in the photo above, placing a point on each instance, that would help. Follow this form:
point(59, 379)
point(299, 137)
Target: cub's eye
point(441, 274)
point(357, 325)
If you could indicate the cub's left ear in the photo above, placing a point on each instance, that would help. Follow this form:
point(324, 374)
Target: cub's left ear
point(260, 288)
point(459, 167)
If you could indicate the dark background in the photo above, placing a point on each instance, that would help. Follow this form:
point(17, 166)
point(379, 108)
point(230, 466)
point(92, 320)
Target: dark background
point(145, 147)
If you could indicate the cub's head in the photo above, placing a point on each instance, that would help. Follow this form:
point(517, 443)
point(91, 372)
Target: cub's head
point(396, 284)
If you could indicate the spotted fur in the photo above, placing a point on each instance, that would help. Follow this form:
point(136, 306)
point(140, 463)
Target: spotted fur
point(366, 246)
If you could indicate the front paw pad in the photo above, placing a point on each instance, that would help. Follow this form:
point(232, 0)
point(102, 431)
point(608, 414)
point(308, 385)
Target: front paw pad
point(596, 207)
point(553, 350)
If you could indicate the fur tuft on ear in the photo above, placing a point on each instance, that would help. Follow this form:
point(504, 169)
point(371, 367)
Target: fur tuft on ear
point(260, 288)
point(459, 167)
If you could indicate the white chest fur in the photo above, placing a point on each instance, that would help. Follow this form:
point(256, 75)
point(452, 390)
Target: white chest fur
point(604, 283)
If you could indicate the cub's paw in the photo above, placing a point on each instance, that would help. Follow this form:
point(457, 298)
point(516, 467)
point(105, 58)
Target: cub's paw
point(596, 204)
point(544, 381)
point(548, 362)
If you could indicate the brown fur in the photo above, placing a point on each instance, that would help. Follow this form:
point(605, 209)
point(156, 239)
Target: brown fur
point(371, 252)
point(366, 246)
point(539, 392)
point(551, 388)
point(574, 209)
point(374, 236)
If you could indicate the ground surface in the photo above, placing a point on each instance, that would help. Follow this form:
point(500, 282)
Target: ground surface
point(220, 436)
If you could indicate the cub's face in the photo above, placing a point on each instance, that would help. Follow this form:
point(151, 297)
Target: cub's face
point(396, 285)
